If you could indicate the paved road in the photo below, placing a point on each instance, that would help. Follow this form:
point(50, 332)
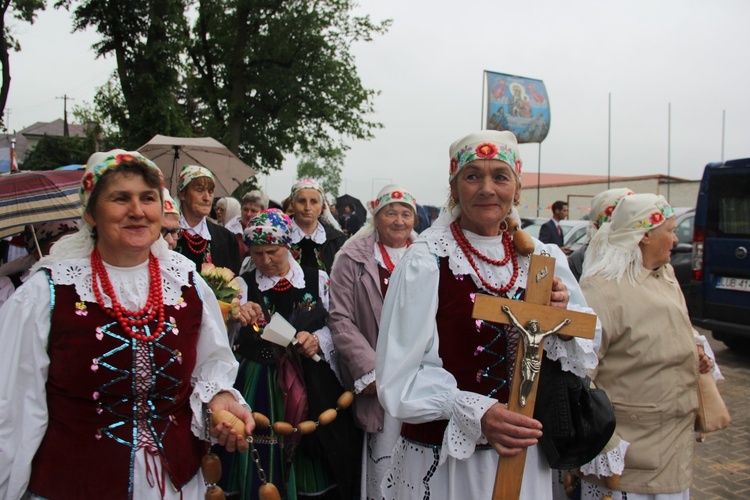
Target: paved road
point(722, 462)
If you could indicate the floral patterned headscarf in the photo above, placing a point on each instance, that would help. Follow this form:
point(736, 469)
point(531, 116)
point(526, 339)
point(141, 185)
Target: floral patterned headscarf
point(485, 145)
point(269, 227)
point(602, 207)
point(392, 193)
point(614, 249)
point(191, 172)
point(99, 163)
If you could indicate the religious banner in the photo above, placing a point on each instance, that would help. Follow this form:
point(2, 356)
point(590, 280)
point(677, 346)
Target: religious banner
point(517, 104)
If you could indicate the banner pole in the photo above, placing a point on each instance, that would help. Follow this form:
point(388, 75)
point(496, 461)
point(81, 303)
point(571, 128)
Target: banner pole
point(481, 114)
point(538, 179)
point(669, 149)
point(609, 141)
point(723, 131)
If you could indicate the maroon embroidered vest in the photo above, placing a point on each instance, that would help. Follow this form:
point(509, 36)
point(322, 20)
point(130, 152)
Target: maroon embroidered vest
point(99, 409)
point(474, 352)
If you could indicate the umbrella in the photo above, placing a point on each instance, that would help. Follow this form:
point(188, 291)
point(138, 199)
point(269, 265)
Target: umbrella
point(74, 166)
point(38, 196)
point(171, 153)
point(359, 209)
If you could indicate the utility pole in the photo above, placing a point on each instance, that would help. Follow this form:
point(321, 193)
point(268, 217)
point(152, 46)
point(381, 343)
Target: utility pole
point(65, 99)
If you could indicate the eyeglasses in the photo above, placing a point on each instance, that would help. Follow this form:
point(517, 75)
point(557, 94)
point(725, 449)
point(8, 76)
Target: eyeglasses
point(174, 233)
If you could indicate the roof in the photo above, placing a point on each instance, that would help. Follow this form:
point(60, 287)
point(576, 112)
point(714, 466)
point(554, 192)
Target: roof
point(37, 131)
point(531, 179)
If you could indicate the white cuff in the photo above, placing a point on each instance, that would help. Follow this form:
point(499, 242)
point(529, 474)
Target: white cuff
point(464, 429)
point(362, 382)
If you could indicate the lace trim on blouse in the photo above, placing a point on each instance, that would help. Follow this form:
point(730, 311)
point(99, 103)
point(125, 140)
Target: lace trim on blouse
point(464, 429)
point(608, 464)
point(131, 283)
point(441, 243)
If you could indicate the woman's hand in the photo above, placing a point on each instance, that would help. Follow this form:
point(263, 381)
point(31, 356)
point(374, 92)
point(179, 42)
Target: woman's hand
point(508, 432)
point(223, 432)
point(308, 344)
point(704, 362)
point(250, 312)
point(560, 294)
point(370, 390)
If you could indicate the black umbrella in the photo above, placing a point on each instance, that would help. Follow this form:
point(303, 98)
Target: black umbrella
point(359, 208)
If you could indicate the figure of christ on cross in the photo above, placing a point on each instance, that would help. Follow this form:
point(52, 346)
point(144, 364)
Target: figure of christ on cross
point(532, 339)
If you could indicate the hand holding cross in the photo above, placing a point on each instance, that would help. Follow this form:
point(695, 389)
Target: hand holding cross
point(536, 310)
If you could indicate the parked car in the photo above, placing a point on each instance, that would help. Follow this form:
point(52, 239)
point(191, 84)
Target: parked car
point(682, 252)
point(574, 231)
point(719, 292)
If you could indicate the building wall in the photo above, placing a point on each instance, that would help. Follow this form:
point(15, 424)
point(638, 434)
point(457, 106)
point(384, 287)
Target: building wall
point(679, 194)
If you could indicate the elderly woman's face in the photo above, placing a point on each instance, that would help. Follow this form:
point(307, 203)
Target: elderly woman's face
point(307, 205)
point(127, 219)
point(198, 197)
point(656, 246)
point(249, 210)
point(486, 191)
point(394, 223)
point(220, 211)
point(271, 260)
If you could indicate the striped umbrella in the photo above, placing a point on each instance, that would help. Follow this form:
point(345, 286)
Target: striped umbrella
point(38, 196)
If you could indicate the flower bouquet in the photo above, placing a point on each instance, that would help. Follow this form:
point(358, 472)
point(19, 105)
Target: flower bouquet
point(225, 288)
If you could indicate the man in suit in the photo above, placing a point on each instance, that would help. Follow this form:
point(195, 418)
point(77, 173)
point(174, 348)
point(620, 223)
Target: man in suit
point(551, 232)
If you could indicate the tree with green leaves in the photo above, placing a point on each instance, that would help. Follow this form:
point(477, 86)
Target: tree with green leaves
point(267, 78)
point(148, 38)
point(22, 10)
point(52, 152)
point(272, 78)
point(324, 167)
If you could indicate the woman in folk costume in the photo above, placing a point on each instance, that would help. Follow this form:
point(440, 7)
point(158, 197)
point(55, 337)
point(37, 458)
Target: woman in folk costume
point(284, 383)
point(203, 241)
point(112, 351)
point(602, 206)
point(650, 355)
point(359, 281)
point(446, 374)
point(228, 211)
point(316, 236)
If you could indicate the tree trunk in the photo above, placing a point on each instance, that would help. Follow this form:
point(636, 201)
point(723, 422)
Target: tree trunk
point(4, 62)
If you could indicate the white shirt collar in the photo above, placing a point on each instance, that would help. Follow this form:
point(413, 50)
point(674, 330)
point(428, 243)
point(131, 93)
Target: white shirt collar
point(318, 236)
point(295, 276)
point(200, 229)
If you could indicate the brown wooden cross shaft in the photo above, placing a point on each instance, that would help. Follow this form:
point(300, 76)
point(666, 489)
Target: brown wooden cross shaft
point(534, 308)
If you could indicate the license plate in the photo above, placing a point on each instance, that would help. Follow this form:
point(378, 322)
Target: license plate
point(739, 284)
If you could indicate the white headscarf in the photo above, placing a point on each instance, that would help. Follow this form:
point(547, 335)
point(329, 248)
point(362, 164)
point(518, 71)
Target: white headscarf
point(614, 249)
point(602, 206)
point(487, 144)
point(392, 193)
point(326, 214)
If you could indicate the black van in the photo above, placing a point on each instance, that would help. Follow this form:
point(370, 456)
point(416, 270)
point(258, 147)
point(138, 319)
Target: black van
point(719, 298)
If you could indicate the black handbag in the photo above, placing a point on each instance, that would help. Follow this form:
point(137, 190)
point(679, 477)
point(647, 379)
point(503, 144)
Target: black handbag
point(577, 420)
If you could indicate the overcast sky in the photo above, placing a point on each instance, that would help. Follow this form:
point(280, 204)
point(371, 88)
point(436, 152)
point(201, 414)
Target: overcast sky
point(429, 69)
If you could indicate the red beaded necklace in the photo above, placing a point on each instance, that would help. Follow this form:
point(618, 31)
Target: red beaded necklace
point(389, 265)
point(130, 321)
point(195, 242)
point(282, 285)
point(468, 249)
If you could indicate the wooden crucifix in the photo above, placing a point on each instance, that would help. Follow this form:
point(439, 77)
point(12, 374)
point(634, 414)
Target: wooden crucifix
point(535, 320)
